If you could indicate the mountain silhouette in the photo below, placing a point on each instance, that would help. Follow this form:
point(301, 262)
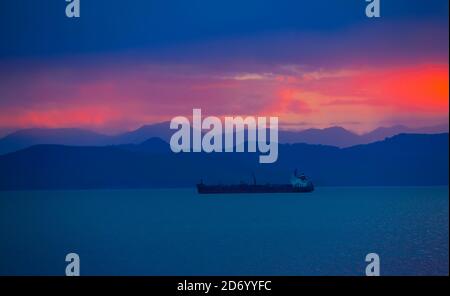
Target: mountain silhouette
point(79, 137)
point(402, 160)
point(159, 130)
point(385, 132)
point(63, 136)
point(333, 136)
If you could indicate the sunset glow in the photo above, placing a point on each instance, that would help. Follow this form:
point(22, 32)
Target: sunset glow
point(127, 97)
point(343, 72)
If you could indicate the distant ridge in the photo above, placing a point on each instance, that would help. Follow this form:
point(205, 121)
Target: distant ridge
point(63, 136)
point(402, 160)
point(79, 137)
point(385, 132)
point(332, 136)
point(158, 130)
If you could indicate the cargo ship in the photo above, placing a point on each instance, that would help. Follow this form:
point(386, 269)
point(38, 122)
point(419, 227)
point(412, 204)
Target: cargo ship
point(299, 184)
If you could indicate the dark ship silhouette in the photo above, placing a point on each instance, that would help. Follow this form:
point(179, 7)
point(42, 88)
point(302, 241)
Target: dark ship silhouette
point(299, 184)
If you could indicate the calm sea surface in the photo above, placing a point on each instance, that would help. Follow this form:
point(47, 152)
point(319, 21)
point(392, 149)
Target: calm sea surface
point(177, 232)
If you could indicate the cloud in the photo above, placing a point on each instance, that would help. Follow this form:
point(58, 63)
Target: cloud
point(350, 102)
point(252, 76)
point(125, 95)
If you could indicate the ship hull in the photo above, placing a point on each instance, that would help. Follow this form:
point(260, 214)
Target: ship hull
point(244, 188)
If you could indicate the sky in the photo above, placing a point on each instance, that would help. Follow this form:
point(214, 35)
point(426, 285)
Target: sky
point(311, 63)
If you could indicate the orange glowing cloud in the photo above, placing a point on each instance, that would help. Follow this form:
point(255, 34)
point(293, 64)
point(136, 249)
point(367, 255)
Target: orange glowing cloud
point(288, 101)
point(420, 88)
point(365, 95)
point(86, 116)
point(415, 88)
point(114, 99)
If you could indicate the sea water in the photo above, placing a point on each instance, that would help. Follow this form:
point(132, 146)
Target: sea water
point(178, 232)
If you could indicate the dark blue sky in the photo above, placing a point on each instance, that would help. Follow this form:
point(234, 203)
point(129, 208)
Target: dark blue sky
point(33, 28)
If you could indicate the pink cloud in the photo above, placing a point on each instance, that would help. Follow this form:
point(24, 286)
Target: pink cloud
point(123, 96)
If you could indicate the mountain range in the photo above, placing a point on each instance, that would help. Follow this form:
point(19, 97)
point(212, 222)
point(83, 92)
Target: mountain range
point(401, 160)
point(332, 136)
